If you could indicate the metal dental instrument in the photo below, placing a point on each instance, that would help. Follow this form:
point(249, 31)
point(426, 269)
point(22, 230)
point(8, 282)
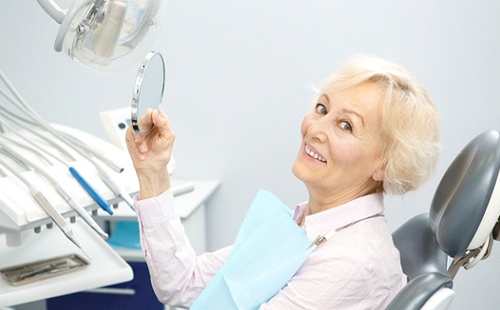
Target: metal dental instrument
point(31, 272)
point(59, 188)
point(57, 218)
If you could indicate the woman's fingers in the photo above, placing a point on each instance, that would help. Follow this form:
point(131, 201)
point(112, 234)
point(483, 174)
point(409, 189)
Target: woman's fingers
point(156, 146)
point(146, 121)
point(130, 138)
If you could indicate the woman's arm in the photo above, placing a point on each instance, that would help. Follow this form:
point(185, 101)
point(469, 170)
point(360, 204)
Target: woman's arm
point(178, 276)
point(151, 153)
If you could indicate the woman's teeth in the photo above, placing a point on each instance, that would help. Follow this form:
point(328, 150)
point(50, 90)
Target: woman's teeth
point(314, 155)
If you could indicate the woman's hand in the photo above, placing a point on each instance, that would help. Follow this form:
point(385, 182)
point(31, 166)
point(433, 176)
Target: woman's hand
point(151, 152)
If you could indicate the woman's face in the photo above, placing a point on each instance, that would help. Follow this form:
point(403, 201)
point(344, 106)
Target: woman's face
point(342, 153)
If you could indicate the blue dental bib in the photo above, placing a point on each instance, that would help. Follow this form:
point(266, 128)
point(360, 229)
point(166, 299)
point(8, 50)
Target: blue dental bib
point(269, 248)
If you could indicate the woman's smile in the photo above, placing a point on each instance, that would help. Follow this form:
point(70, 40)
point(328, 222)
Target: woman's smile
point(313, 154)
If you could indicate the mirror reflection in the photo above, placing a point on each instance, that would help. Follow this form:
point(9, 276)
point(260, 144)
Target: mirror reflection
point(148, 91)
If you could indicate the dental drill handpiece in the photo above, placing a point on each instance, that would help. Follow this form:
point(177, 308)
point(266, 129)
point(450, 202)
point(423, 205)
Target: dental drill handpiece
point(57, 218)
point(117, 190)
point(74, 204)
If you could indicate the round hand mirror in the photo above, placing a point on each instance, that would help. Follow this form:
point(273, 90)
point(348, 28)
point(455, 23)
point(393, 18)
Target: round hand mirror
point(148, 91)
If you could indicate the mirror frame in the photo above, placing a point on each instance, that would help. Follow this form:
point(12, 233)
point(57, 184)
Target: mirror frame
point(138, 85)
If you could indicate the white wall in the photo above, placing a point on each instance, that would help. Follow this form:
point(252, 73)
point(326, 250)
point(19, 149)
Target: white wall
point(239, 78)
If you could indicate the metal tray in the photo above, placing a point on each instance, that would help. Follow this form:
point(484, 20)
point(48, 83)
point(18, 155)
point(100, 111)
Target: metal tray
point(31, 272)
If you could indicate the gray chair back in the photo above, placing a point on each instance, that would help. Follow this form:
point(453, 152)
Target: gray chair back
point(463, 219)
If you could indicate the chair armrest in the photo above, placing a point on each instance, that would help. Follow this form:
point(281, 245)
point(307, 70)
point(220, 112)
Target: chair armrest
point(418, 291)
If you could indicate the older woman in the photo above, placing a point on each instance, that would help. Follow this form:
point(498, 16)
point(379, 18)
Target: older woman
point(372, 130)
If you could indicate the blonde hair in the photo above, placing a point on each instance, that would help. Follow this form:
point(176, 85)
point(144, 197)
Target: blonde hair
point(410, 122)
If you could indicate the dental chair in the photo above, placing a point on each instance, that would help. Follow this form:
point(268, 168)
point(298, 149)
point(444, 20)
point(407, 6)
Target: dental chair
point(457, 232)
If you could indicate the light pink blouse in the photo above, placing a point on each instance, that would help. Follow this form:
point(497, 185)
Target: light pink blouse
point(359, 268)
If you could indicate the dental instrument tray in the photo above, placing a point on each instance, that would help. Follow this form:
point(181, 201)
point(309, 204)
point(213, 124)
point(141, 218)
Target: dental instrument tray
point(31, 272)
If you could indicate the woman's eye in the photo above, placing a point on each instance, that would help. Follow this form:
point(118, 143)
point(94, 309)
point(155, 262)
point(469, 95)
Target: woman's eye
point(320, 108)
point(345, 125)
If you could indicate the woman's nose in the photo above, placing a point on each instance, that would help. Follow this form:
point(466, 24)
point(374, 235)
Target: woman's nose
point(317, 129)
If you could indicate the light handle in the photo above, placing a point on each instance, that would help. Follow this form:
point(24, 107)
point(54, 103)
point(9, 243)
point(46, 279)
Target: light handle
point(52, 9)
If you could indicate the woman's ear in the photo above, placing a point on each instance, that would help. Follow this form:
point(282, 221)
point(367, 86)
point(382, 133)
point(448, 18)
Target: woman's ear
point(379, 174)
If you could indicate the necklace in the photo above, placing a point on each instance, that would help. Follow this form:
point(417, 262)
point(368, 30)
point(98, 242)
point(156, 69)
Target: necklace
point(323, 238)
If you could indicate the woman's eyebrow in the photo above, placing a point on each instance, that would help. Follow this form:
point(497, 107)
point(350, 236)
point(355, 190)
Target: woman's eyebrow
point(344, 110)
point(325, 97)
point(347, 111)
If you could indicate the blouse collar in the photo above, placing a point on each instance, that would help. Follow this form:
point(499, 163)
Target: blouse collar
point(352, 211)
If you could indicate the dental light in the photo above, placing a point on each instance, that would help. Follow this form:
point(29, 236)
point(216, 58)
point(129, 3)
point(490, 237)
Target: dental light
point(107, 35)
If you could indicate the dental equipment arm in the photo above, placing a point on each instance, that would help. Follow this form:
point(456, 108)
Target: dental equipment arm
point(51, 211)
point(28, 148)
point(92, 150)
point(60, 189)
point(106, 35)
point(101, 202)
point(52, 9)
point(23, 106)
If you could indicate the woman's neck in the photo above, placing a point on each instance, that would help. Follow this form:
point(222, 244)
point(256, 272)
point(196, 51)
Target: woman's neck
point(321, 200)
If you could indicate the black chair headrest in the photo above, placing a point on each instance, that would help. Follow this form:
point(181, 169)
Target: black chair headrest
point(466, 203)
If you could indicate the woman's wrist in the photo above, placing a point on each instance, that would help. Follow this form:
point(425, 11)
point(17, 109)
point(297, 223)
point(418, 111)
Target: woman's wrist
point(153, 184)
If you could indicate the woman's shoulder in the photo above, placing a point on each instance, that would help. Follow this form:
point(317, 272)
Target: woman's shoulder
point(369, 241)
